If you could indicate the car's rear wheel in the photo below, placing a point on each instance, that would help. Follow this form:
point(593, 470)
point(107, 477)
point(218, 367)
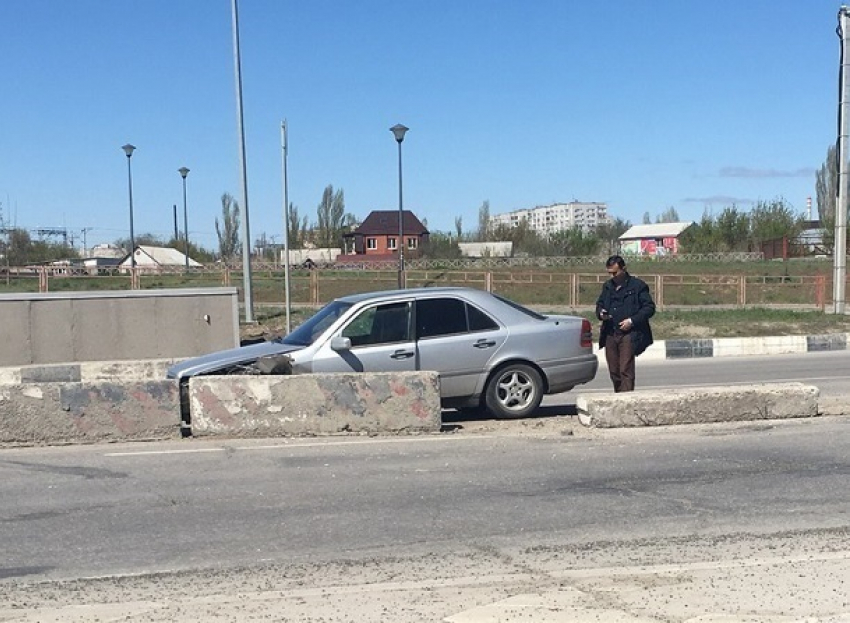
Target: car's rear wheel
point(514, 391)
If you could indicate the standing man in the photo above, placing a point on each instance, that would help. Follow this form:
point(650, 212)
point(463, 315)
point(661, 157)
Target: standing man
point(624, 307)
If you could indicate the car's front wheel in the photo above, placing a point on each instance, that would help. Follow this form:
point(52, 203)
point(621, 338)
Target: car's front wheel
point(514, 391)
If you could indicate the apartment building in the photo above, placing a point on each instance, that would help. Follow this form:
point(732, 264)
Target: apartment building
point(549, 219)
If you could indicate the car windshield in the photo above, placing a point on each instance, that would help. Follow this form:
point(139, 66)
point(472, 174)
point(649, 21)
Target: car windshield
point(306, 333)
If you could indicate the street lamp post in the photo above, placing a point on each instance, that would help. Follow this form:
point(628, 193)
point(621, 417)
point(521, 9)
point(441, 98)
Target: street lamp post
point(129, 149)
point(183, 173)
point(399, 131)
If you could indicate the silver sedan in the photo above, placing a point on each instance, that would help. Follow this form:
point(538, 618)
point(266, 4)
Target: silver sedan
point(490, 352)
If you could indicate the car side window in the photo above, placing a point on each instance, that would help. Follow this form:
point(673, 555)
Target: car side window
point(381, 324)
point(447, 316)
point(479, 321)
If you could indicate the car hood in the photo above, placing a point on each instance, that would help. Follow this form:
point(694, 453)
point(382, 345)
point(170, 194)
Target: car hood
point(208, 364)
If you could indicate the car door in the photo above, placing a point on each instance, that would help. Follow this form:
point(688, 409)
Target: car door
point(381, 341)
point(458, 340)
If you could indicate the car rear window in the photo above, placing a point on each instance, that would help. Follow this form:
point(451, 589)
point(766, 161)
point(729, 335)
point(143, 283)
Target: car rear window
point(518, 307)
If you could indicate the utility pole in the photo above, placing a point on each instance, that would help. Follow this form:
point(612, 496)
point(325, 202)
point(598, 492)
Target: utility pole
point(840, 253)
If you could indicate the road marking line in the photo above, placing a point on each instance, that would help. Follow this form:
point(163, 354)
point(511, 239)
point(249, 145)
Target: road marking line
point(294, 445)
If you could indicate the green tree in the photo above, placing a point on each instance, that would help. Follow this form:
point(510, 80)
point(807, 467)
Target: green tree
point(670, 215)
point(574, 242)
point(440, 245)
point(228, 230)
point(484, 222)
point(22, 250)
point(609, 235)
point(296, 228)
point(459, 228)
point(331, 215)
point(826, 191)
point(772, 220)
point(196, 252)
point(700, 237)
point(647, 219)
point(732, 230)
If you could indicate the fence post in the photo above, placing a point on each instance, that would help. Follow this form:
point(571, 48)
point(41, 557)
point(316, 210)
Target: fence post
point(820, 292)
point(314, 287)
point(573, 290)
point(488, 281)
point(42, 279)
point(742, 296)
point(659, 291)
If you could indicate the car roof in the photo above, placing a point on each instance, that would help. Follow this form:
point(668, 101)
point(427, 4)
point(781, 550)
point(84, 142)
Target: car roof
point(472, 293)
point(505, 312)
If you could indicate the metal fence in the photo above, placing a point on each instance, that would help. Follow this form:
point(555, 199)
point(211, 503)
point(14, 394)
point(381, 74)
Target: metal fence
point(532, 287)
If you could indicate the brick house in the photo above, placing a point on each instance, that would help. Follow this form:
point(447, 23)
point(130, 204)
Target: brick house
point(377, 237)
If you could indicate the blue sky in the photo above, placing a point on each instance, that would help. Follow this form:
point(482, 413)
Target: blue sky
point(643, 105)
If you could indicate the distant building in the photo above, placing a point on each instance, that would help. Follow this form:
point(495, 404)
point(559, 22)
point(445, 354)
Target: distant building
point(546, 220)
point(376, 238)
point(653, 239)
point(486, 249)
point(154, 258)
point(316, 255)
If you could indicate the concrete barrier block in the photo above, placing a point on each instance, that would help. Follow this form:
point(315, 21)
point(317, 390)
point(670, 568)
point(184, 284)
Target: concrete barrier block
point(698, 405)
point(144, 370)
point(766, 345)
point(50, 413)
point(10, 376)
point(261, 406)
point(54, 373)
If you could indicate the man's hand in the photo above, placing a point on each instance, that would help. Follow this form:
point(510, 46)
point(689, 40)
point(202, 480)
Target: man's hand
point(626, 324)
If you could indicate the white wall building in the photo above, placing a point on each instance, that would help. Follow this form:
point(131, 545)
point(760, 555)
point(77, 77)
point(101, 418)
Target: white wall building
point(547, 220)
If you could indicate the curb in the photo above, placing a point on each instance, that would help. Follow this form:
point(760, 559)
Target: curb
point(740, 346)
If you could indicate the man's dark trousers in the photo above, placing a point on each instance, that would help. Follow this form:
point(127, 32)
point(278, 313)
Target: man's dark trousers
point(621, 361)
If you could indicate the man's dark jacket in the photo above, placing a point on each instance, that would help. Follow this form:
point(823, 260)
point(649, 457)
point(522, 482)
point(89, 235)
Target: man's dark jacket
point(633, 301)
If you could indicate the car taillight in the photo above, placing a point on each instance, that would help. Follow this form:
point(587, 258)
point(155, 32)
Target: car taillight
point(586, 334)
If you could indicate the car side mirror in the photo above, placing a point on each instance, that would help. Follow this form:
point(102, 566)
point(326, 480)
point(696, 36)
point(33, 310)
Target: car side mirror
point(339, 343)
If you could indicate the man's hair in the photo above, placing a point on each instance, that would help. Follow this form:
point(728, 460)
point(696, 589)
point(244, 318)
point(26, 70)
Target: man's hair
point(615, 259)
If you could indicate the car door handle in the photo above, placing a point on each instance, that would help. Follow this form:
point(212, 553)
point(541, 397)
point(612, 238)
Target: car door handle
point(402, 354)
point(484, 344)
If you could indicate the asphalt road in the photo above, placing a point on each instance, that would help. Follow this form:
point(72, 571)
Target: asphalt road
point(421, 528)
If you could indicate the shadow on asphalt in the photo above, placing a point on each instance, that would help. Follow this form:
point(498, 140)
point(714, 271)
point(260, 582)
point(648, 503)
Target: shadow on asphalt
point(455, 420)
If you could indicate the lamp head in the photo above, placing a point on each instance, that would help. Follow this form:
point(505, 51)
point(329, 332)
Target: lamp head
point(183, 172)
point(128, 149)
point(399, 131)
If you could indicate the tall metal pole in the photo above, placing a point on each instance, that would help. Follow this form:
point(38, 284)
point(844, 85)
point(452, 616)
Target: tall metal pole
point(128, 150)
point(246, 229)
point(285, 148)
point(840, 253)
point(183, 173)
point(399, 131)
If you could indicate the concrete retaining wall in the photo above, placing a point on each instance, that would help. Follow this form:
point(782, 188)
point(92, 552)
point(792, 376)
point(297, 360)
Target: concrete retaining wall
point(261, 406)
point(54, 413)
point(39, 328)
point(699, 405)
